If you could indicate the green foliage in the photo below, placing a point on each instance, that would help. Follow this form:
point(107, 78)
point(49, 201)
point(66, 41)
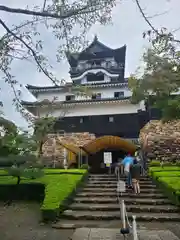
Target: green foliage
point(12, 142)
point(169, 181)
point(85, 166)
point(154, 163)
point(32, 173)
point(43, 126)
point(57, 191)
point(28, 169)
point(172, 109)
point(166, 173)
point(165, 168)
point(7, 127)
point(58, 187)
point(160, 77)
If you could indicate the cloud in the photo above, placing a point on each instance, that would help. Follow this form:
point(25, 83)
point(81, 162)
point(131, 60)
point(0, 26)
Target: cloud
point(127, 28)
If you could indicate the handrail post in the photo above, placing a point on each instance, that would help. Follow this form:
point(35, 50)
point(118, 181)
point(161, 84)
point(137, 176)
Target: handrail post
point(123, 216)
point(134, 228)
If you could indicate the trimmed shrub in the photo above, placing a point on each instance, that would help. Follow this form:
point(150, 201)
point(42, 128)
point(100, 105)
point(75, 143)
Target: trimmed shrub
point(23, 192)
point(85, 166)
point(54, 190)
point(168, 179)
point(154, 163)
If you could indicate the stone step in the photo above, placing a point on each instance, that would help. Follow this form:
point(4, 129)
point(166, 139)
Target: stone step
point(109, 177)
point(114, 215)
point(113, 189)
point(142, 182)
point(104, 233)
point(73, 224)
point(127, 200)
point(130, 208)
point(113, 194)
point(114, 185)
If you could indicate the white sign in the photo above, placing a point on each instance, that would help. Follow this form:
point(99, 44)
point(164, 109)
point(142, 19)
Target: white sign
point(107, 157)
point(121, 186)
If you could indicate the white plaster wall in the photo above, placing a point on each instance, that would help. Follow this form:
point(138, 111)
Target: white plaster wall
point(95, 109)
point(105, 93)
point(50, 96)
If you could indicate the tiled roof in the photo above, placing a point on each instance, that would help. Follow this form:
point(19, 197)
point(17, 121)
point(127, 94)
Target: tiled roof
point(32, 88)
point(79, 102)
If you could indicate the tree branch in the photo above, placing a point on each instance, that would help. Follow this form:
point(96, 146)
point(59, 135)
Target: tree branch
point(19, 106)
point(44, 5)
point(150, 24)
point(30, 49)
point(70, 13)
point(157, 15)
point(23, 25)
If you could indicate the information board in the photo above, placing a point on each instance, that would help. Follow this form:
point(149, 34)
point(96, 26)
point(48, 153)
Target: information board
point(121, 186)
point(107, 158)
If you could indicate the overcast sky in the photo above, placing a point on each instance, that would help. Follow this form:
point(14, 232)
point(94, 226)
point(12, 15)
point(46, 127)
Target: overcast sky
point(127, 28)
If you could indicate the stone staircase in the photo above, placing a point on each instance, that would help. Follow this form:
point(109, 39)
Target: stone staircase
point(97, 205)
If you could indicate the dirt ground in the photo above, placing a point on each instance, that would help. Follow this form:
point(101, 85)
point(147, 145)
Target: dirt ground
point(21, 221)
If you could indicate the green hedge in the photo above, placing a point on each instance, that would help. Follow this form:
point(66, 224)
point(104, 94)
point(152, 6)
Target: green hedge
point(58, 193)
point(54, 190)
point(165, 169)
point(168, 179)
point(50, 171)
point(25, 191)
point(156, 163)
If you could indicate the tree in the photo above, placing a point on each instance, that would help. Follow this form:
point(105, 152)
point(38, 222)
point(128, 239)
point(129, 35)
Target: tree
point(68, 21)
point(43, 126)
point(161, 77)
point(20, 158)
point(24, 166)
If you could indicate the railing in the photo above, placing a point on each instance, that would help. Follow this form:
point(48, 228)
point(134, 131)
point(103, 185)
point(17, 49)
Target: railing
point(127, 228)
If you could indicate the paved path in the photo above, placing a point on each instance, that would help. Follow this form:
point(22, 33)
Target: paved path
point(113, 234)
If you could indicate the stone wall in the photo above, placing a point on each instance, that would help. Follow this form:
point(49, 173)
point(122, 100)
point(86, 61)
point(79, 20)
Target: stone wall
point(160, 140)
point(53, 152)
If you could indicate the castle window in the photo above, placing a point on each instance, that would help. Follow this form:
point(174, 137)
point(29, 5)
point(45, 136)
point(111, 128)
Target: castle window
point(111, 119)
point(118, 94)
point(96, 63)
point(70, 97)
point(81, 120)
point(95, 77)
point(99, 77)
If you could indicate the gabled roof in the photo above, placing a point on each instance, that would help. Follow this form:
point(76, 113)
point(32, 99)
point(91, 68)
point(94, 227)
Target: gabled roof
point(96, 46)
point(97, 50)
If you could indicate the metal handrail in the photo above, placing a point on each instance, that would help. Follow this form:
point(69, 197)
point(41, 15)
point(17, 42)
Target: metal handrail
point(124, 216)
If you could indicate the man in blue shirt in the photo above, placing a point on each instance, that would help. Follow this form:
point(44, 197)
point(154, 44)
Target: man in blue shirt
point(127, 162)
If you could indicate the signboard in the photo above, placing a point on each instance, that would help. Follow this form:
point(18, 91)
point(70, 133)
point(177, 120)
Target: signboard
point(107, 158)
point(121, 186)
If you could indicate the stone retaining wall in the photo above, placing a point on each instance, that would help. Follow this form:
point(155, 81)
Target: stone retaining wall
point(160, 140)
point(53, 152)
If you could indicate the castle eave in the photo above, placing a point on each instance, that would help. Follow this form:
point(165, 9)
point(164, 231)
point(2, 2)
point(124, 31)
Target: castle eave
point(76, 102)
point(36, 89)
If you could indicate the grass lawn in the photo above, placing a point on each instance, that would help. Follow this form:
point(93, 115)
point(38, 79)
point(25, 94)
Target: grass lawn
point(57, 186)
point(168, 178)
